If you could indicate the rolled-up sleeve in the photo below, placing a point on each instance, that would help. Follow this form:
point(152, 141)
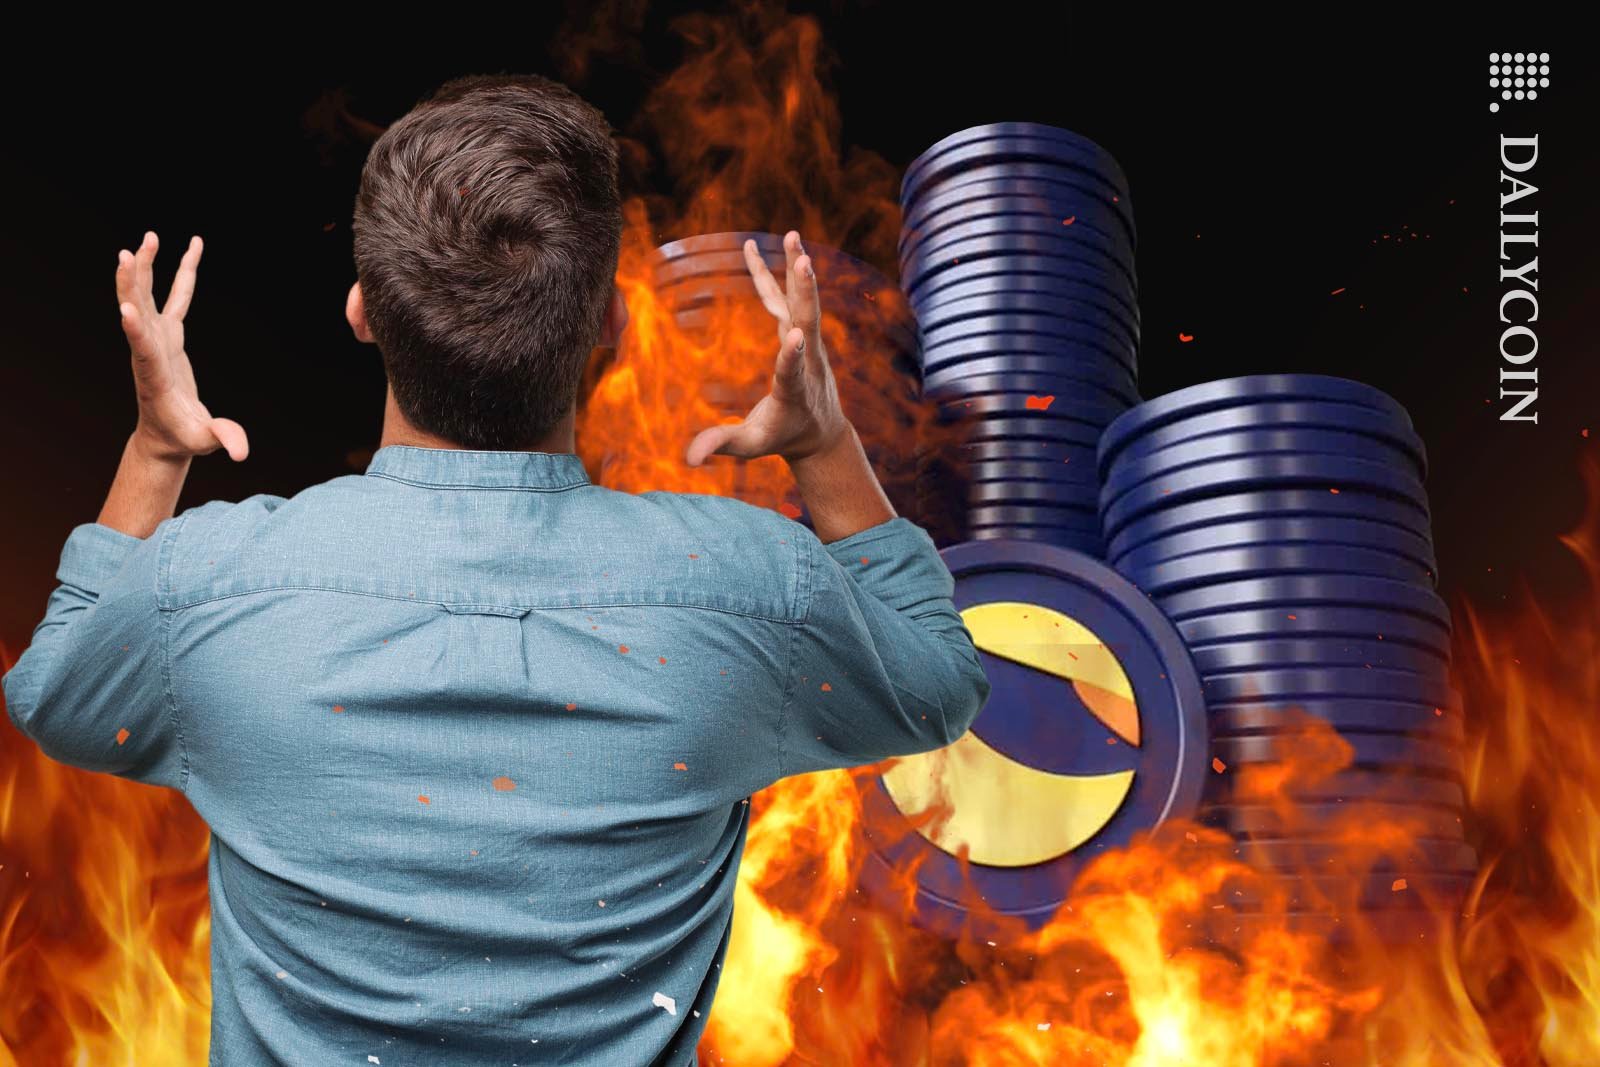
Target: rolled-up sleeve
point(92, 686)
point(882, 664)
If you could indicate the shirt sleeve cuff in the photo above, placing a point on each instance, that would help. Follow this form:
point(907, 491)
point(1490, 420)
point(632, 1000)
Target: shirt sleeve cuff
point(889, 534)
point(92, 555)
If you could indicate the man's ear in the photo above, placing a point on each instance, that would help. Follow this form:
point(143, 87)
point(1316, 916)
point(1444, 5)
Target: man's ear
point(616, 321)
point(355, 312)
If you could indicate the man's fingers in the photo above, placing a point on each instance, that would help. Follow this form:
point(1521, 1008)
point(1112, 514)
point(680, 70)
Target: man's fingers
point(792, 250)
point(124, 275)
point(144, 273)
point(805, 306)
point(183, 284)
point(766, 285)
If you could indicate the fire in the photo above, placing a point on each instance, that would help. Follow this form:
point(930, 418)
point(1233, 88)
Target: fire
point(1171, 952)
point(104, 920)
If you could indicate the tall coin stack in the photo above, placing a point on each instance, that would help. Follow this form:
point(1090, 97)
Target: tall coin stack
point(1017, 254)
point(698, 278)
point(1281, 522)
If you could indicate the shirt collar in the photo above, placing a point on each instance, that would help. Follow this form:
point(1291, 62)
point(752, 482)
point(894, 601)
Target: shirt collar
point(471, 468)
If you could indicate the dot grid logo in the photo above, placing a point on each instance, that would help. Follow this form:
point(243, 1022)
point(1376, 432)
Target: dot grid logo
point(1518, 75)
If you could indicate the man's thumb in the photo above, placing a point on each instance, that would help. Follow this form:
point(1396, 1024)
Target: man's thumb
point(230, 435)
point(710, 441)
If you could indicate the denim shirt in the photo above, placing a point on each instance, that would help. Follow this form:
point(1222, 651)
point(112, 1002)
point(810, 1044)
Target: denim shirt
point(476, 738)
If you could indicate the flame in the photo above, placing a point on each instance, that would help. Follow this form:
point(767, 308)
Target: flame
point(1173, 951)
point(104, 920)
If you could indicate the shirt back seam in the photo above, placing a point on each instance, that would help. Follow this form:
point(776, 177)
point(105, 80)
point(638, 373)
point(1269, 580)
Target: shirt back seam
point(585, 605)
point(802, 587)
point(163, 595)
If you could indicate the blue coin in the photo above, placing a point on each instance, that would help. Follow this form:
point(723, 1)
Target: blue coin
point(1024, 273)
point(982, 312)
point(1305, 821)
point(710, 254)
point(700, 244)
point(1080, 202)
point(999, 333)
point(1076, 539)
point(993, 486)
point(1313, 505)
point(1395, 784)
point(1202, 569)
point(1006, 154)
point(1037, 515)
point(1385, 905)
point(1050, 176)
point(1365, 716)
point(938, 234)
point(1128, 468)
point(1431, 755)
point(1030, 405)
point(1024, 470)
point(1273, 427)
point(725, 288)
point(1249, 389)
point(1070, 452)
point(1421, 855)
point(965, 205)
point(1069, 140)
point(978, 427)
point(1099, 381)
point(1030, 353)
point(1061, 252)
point(984, 278)
point(964, 405)
point(1287, 531)
point(1028, 494)
point(726, 251)
point(1330, 651)
point(1124, 500)
point(1028, 184)
point(1079, 247)
point(1268, 624)
point(1049, 393)
point(1026, 294)
point(1295, 594)
point(1284, 686)
point(1093, 703)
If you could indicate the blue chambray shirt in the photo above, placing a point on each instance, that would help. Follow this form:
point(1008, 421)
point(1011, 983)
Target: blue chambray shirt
point(475, 738)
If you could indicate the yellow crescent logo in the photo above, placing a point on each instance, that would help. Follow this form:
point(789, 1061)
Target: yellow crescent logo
point(1006, 813)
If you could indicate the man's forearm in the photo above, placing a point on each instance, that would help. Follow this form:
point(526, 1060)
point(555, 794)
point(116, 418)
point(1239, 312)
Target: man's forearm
point(145, 491)
point(840, 490)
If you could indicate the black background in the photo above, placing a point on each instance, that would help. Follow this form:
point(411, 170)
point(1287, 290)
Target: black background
point(1266, 162)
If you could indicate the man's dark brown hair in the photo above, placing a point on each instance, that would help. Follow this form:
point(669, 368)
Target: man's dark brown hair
point(487, 229)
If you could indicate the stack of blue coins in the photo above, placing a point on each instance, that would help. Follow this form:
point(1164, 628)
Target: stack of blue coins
point(1280, 521)
point(1017, 255)
point(697, 279)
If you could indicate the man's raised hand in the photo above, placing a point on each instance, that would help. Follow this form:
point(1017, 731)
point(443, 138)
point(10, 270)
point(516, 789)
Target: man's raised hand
point(173, 424)
point(800, 416)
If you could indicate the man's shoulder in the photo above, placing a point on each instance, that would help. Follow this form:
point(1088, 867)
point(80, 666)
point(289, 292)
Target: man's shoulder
point(226, 518)
point(209, 535)
point(761, 543)
point(712, 508)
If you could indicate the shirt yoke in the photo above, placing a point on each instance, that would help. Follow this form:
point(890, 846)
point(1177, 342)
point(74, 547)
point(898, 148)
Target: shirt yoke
point(588, 546)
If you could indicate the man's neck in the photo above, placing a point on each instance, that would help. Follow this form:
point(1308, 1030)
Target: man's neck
point(397, 430)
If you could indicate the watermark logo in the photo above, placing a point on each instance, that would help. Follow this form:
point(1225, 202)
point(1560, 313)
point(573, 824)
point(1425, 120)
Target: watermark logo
point(1518, 75)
